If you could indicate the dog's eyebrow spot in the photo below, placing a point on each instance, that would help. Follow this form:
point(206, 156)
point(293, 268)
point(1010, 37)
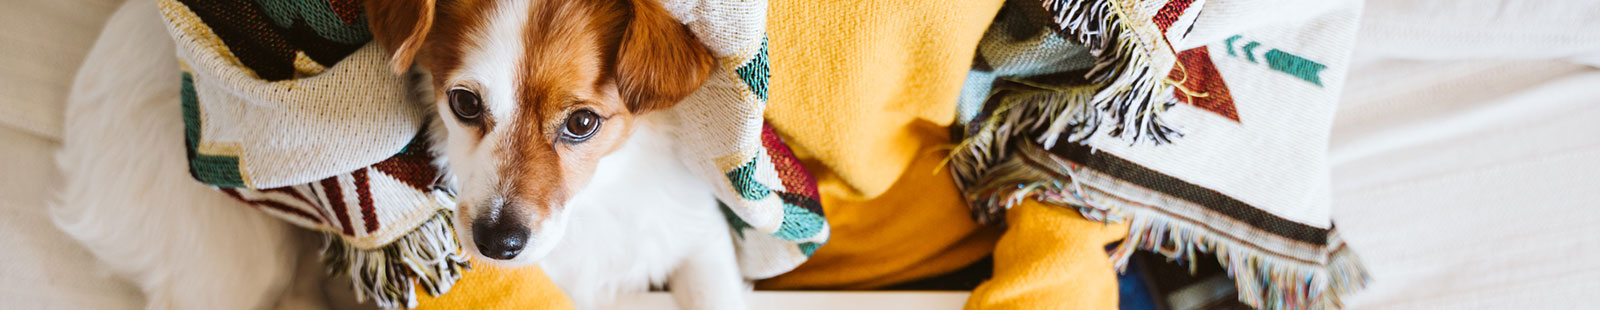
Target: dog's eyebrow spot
point(572, 101)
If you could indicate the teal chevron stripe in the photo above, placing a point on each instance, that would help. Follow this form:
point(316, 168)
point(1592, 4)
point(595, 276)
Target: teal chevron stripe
point(738, 224)
point(808, 248)
point(318, 14)
point(1300, 67)
point(1249, 50)
point(744, 182)
point(755, 72)
point(1230, 44)
point(214, 170)
point(191, 112)
point(1297, 66)
point(799, 223)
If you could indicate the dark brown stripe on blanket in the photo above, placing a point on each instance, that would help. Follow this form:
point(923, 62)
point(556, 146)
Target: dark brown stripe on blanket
point(286, 190)
point(369, 215)
point(413, 165)
point(269, 204)
point(336, 201)
point(1205, 197)
point(294, 191)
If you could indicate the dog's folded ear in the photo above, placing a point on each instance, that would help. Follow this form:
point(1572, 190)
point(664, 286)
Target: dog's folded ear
point(659, 62)
point(400, 26)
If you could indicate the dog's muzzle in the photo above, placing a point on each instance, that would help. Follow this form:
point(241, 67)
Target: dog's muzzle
point(501, 238)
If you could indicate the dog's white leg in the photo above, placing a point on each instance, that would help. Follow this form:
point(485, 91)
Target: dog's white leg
point(128, 196)
point(709, 278)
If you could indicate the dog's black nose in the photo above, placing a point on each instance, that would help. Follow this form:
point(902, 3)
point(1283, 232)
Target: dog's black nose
point(499, 239)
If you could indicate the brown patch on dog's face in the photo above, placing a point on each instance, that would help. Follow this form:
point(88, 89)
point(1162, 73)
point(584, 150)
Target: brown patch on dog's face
point(520, 85)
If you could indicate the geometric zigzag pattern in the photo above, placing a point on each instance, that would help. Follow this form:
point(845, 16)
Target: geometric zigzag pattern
point(803, 218)
point(349, 204)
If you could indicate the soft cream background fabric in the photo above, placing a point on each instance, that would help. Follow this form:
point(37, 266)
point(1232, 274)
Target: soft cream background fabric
point(1469, 185)
point(1463, 183)
point(42, 43)
point(1464, 154)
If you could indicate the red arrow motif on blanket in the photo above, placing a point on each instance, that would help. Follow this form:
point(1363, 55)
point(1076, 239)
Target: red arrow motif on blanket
point(1206, 89)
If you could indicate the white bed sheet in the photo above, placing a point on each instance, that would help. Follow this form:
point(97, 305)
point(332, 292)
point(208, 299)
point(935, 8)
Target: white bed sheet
point(1471, 185)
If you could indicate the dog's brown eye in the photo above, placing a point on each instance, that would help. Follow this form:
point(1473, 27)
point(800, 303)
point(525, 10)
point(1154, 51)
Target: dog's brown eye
point(581, 125)
point(465, 104)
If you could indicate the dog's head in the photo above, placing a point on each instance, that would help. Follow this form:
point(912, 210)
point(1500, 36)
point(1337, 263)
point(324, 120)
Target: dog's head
point(533, 93)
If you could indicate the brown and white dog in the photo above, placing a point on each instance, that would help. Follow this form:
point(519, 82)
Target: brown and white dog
point(547, 107)
point(550, 136)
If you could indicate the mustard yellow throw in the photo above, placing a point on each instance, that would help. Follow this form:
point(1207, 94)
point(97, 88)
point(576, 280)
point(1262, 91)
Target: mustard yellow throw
point(490, 287)
point(865, 93)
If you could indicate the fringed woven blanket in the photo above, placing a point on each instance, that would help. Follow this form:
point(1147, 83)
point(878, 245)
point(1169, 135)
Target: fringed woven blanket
point(1128, 110)
point(290, 108)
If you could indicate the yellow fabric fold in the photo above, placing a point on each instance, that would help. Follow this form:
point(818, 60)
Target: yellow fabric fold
point(850, 80)
point(1051, 258)
point(864, 94)
point(918, 228)
point(493, 287)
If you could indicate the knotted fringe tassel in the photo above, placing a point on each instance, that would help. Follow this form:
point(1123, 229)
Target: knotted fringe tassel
point(1125, 93)
point(1021, 111)
point(1133, 91)
point(1019, 178)
point(1346, 273)
point(1264, 280)
point(428, 255)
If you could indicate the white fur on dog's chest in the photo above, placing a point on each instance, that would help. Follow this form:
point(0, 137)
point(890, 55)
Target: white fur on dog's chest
point(641, 216)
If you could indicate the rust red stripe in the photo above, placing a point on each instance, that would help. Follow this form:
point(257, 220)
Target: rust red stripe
point(1169, 14)
point(336, 201)
point(369, 214)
